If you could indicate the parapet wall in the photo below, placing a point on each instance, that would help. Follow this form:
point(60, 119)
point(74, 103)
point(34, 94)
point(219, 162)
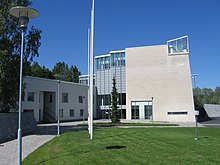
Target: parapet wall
point(9, 125)
point(212, 110)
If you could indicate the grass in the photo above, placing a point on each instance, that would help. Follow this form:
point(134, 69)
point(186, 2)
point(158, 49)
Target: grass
point(126, 146)
point(127, 124)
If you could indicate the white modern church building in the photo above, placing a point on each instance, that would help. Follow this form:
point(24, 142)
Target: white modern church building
point(153, 84)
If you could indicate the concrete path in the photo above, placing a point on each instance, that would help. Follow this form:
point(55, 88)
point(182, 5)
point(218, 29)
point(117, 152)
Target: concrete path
point(213, 122)
point(45, 132)
point(9, 152)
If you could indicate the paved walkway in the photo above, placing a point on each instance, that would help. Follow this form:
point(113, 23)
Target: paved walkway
point(45, 132)
point(9, 152)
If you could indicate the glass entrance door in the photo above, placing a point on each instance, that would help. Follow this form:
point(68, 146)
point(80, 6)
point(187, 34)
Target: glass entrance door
point(148, 110)
point(141, 110)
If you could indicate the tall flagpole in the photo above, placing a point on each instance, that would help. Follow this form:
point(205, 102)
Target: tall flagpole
point(91, 68)
point(89, 80)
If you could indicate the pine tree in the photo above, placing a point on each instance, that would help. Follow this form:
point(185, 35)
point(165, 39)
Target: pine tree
point(115, 112)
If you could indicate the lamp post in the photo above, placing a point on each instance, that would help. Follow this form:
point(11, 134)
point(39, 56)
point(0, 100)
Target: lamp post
point(24, 14)
point(197, 116)
point(58, 76)
point(83, 107)
point(194, 79)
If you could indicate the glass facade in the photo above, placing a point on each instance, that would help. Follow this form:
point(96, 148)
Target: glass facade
point(103, 63)
point(118, 59)
point(122, 113)
point(115, 59)
point(83, 81)
point(104, 99)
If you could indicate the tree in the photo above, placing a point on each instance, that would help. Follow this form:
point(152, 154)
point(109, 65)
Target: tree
point(115, 111)
point(62, 69)
point(217, 95)
point(206, 96)
point(38, 71)
point(68, 74)
point(10, 47)
point(75, 73)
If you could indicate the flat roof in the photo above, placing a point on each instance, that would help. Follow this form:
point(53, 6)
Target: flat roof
point(117, 51)
point(53, 80)
point(100, 56)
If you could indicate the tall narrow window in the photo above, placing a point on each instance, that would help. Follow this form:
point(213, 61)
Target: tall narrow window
point(61, 112)
point(65, 97)
point(51, 98)
point(80, 99)
point(30, 96)
point(81, 112)
point(135, 111)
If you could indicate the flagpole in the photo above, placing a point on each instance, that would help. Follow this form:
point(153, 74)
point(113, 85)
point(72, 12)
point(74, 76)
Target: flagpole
point(88, 78)
point(91, 68)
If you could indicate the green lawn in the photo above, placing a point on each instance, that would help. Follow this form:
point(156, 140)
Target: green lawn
point(131, 146)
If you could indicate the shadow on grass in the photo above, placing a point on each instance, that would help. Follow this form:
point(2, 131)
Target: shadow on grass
point(204, 137)
point(115, 147)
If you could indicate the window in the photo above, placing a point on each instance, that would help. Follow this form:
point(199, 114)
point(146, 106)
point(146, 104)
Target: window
point(65, 97)
point(72, 113)
point(30, 96)
point(142, 110)
point(122, 113)
point(148, 111)
point(80, 99)
point(51, 98)
point(81, 112)
point(118, 59)
point(135, 111)
point(61, 112)
point(29, 110)
point(83, 81)
point(177, 113)
point(103, 63)
point(122, 98)
point(178, 45)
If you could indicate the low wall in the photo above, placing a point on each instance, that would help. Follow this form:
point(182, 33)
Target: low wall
point(212, 110)
point(9, 125)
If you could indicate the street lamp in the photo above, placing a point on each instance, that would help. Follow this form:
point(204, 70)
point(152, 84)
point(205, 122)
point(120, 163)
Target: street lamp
point(197, 116)
point(24, 14)
point(58, 76)
point(194, 79)
point(83, 98)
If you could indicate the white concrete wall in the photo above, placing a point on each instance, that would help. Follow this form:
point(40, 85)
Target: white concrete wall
point(41, 85)
point(151, 73)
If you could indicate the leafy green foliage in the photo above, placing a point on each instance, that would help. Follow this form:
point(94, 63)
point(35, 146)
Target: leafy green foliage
point(38, 71)
point(67, 74)
point(115, 112)
point(206, 96)
point(70, 74)
point(10, 47)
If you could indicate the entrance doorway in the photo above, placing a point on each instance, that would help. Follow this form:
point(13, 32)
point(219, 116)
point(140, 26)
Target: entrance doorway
point(141, 110)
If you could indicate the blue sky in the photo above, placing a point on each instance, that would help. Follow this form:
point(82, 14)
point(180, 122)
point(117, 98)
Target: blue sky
point(126, 23)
